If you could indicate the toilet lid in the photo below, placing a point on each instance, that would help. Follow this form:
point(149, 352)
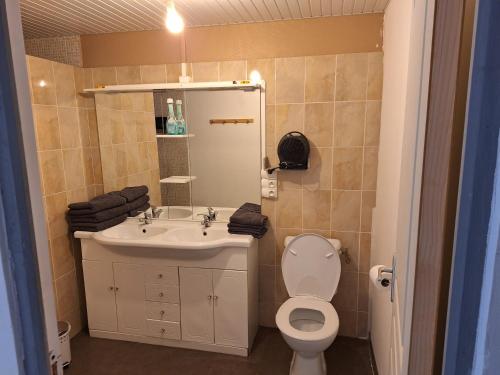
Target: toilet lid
point(311, 267)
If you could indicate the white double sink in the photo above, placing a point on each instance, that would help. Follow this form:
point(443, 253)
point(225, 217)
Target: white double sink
point(169, 235)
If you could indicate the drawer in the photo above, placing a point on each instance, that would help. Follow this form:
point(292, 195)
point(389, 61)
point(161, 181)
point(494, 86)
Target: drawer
point(162, 275)
point(164, 330)
point(163, 311)
point(162, 293)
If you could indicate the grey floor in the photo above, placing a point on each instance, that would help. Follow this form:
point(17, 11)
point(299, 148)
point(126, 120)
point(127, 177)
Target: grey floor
point(270, 355)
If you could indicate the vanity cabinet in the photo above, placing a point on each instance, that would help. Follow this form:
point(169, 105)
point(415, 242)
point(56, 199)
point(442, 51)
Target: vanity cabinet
point(208, 304)
point(214, 296)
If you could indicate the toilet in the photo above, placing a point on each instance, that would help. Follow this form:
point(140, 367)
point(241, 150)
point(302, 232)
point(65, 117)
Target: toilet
point(307, 320)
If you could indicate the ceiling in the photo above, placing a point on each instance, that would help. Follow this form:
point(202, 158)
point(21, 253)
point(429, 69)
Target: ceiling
point(49, 18)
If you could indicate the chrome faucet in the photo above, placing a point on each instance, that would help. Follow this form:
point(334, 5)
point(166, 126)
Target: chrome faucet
point(156, 212)
point(209, 217)
point(147, 219)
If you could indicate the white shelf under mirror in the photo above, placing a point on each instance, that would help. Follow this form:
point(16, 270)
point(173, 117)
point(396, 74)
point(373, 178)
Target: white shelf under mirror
point(174, 136)
point(177, 179)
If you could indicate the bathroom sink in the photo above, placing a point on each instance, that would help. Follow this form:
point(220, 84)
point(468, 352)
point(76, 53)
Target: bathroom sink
point(132, 231)
point(196, 234)
point(168, 235)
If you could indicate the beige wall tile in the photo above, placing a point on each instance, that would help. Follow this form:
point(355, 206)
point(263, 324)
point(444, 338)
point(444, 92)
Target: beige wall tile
point(43, 86)
point(173, 72)
point(289, 209)
point(205, 71)
point(267, 245)
point(83, 122)
point(349, 241)
point(316, 209)
point(290, 179)
point(64, 76)
point(346, 206)
point(267, 70)
point(270, 125)
point(126, 75)
point(61, 255)
point(77, 195)
point(281, 293)
point(67, 294)
point(104, 76)
point(349, 124)
point(267, 314)
point(368, 202)
point(347, 168)
point(120, 160)
point(232, 70)
point(351, 77)
point(69, 127)
point(362, 326)
point(364, 281)
point(375, 76)
point(319, 174)
point(372, 128)
point(154, 73)
point(47, 127)
point(117, 127)
point(320, 78)
point(94, 133)
point(289, 117)
point(346, 298)
point(73, 168)
point(364, 252)
point(348, 325)
point(266, 283)
point(97, 165)
point(56, 206)
point(290, 74)
point(88, 166)
point(370, 168)
point(52, 171)
point(133, 161)
point(83, 80)
point(318, 124)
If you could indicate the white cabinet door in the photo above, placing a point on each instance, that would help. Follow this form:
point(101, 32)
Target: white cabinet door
point(130, 296)
point(230, 308)
point(100, 294)
point(196, 304)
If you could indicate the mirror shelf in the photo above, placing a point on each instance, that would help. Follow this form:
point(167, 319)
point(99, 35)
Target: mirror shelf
point(177, 179)
point(174, 136)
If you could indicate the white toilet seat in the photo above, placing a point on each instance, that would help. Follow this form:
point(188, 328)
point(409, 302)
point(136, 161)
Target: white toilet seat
point(330, 326)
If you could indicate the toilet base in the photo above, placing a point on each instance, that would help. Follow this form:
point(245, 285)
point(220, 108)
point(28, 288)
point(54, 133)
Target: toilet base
point(308, 364)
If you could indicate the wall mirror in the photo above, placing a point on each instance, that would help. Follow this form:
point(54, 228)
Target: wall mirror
point(213, 160)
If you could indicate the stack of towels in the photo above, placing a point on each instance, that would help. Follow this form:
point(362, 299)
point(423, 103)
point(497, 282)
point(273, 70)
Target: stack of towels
point(248, 220)
point(107, 210)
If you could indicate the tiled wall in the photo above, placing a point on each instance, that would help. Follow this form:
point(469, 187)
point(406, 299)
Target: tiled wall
point(65, 49)
point(127, 139)
point(335, 100)
point(68, 152)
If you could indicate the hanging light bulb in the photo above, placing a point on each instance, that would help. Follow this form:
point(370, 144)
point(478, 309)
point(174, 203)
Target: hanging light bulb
point(174, 21)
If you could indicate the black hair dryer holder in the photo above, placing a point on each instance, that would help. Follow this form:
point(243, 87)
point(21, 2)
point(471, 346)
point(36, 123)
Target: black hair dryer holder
point(293, 152)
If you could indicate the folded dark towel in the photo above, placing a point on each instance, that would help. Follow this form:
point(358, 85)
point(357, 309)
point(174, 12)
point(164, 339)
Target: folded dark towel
point(99, 203)
point(256, 232)
point(97, 227)
point(136, 211)
point(131, 193)
point(245, 217)
point(252, 207)
point(99, 216)
point(134, 205)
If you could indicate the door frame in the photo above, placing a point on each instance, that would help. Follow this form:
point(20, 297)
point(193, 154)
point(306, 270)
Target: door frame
point(449, 79)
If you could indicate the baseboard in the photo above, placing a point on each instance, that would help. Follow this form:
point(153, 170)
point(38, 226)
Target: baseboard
point(242, 352)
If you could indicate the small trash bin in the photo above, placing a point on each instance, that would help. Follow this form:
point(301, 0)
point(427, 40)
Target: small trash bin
point(64, 329)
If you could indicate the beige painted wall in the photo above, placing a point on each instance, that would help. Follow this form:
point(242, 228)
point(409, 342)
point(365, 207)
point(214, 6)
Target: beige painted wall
point(309, 37)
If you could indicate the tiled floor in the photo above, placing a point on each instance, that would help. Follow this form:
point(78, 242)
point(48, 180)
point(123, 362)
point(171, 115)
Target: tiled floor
point(270, 355)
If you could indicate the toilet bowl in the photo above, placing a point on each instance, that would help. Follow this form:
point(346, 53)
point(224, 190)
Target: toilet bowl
point(307, 321)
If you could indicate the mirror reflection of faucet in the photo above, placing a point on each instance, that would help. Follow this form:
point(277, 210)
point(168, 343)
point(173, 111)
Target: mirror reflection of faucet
point(207, 219)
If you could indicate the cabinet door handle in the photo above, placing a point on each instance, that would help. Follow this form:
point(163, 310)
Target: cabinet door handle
point(160, 276)
point(161, 294)
point(209, 297)
point(116, 289)
point(215, 298)
point(111, 288)
point(163, 330)
point(162, 312)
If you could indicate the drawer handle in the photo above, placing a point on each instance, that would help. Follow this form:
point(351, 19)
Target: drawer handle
point(163, 330)
point(162, 312)
point(160, 275)
point(161, 294)
point(111, 288)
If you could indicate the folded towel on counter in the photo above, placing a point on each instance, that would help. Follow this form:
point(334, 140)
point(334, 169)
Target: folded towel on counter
point(99, 203)
point(134, 205)
point(252, 207)
point(99, 216)
point(138, 210)
point(243, 216)
point(255, 231)
point(97, 227)
point(132, 193)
